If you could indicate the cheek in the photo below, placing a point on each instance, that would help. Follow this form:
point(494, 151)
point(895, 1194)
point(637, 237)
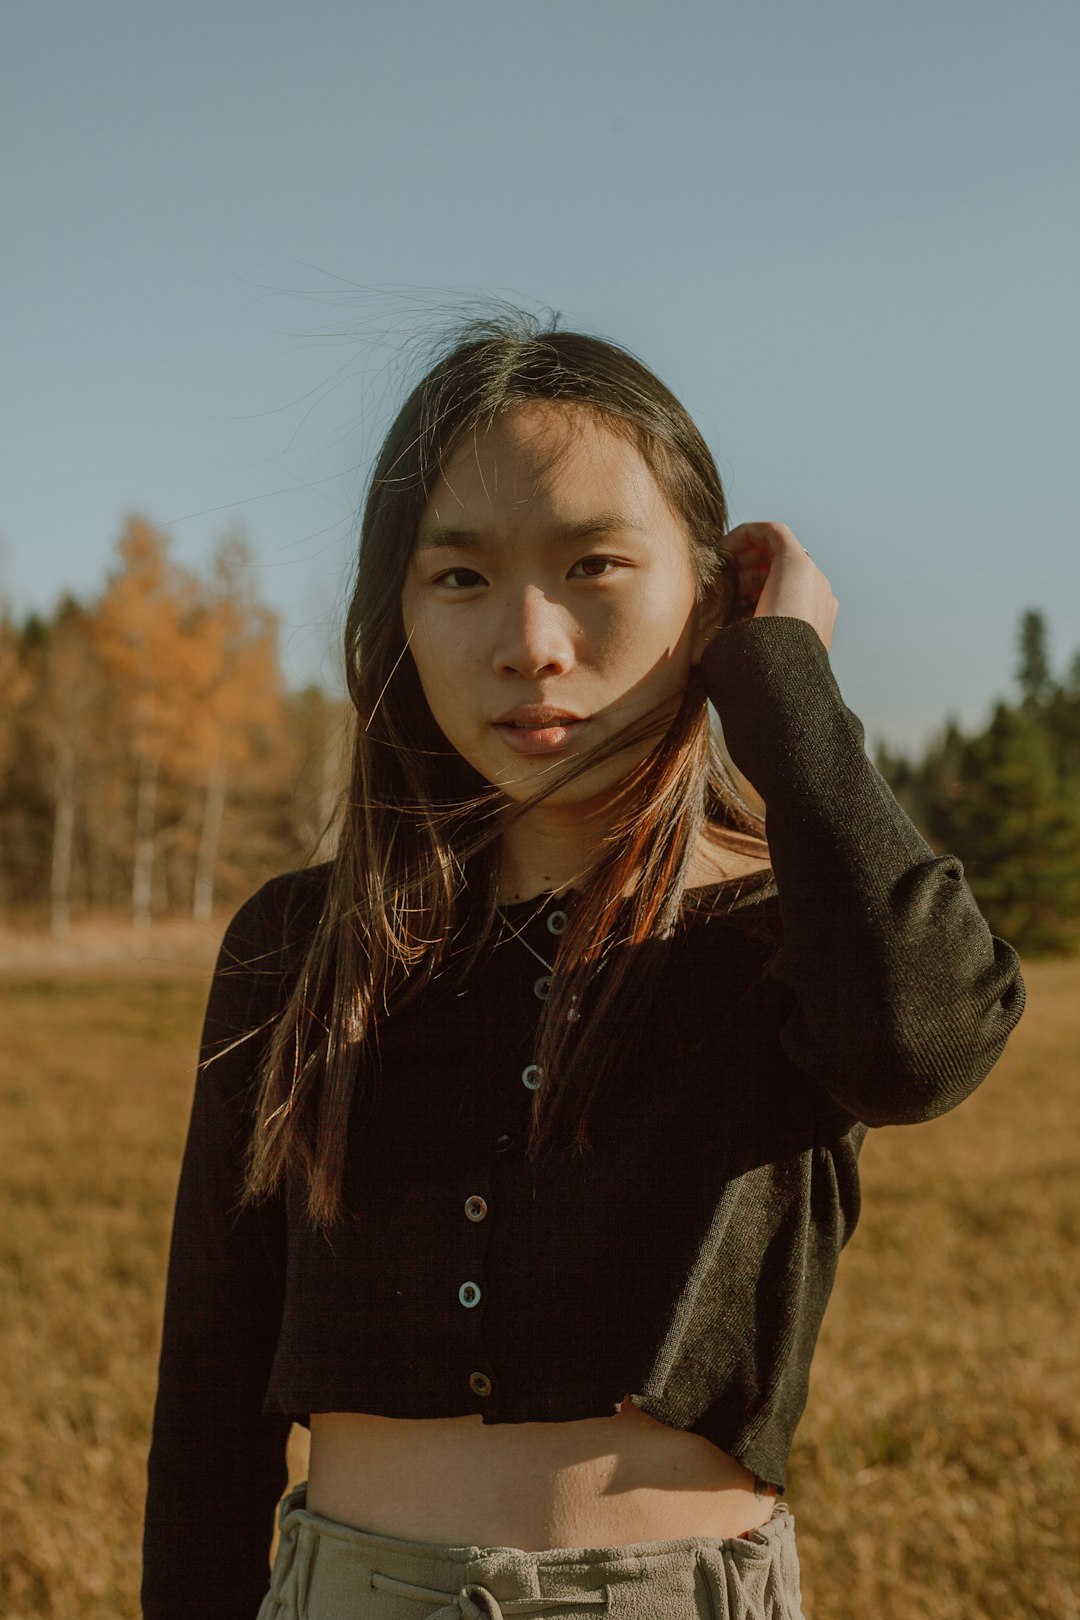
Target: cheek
point(446, 660)
point(444, 663)
point(651, 624)
point(434, 645)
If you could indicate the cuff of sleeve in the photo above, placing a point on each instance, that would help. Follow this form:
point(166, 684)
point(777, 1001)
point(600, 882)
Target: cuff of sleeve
point(772, 685)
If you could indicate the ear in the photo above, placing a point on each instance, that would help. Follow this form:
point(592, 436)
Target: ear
point(701, 637)
point(709, 618)
point(717, 607)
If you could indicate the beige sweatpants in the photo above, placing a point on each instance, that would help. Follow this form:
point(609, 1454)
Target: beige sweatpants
point(328, 1571)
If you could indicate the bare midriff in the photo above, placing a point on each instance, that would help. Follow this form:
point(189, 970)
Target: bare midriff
point(601, 1482)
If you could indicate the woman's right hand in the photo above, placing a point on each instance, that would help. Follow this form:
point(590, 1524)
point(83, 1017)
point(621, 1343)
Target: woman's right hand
point(778, 577)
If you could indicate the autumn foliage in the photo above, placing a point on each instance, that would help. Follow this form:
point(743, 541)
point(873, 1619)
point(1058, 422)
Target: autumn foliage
point(151, 760)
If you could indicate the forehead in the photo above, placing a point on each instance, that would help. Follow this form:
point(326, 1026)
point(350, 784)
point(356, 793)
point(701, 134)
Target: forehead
point(542, 463)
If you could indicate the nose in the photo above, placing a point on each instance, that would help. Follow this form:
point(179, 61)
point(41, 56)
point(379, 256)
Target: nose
point(534, 636)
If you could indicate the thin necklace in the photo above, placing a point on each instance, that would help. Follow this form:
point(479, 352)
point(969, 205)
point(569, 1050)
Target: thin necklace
point(542, 986)
point(516, 932)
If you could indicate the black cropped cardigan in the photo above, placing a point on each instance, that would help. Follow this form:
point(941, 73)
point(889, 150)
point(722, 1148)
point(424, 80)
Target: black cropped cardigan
point(686, 1260)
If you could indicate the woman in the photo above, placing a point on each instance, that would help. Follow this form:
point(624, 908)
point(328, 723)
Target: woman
point(525, 1135)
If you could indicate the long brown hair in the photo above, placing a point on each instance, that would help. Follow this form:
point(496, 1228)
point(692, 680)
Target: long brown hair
point(412, 888)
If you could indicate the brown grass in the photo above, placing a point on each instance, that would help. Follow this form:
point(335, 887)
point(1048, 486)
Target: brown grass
point(104, 940)
point(935, 1474)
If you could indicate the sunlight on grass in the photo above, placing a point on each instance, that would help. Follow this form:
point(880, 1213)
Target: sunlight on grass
point(935, 1474)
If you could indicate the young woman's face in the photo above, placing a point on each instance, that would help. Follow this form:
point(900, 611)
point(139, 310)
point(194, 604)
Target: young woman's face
point(549, 600)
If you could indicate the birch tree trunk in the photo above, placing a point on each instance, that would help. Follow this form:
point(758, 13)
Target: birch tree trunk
point(142, 874)
point(209, 833)
point(63, 837)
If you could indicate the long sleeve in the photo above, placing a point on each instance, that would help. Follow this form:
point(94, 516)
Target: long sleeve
point(903, 997)
point(217, 1465)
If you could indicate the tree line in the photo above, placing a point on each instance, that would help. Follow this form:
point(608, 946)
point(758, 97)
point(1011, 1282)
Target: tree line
point(1006, 800)
point(151, 760)
point(153, 763)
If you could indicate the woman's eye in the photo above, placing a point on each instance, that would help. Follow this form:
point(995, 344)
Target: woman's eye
point(459, 579)
point(593, 566)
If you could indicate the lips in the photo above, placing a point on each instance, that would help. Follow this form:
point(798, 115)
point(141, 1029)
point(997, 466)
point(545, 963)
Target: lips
point(536, 728)
point(532, 715)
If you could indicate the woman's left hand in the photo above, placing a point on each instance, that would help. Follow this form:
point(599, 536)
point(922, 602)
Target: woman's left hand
point(776, 577)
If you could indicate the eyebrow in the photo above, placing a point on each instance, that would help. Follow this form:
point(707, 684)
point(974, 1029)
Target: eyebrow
point(560, 534)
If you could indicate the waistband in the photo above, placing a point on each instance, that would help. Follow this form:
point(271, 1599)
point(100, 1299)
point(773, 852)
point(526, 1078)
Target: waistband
point(451, 1582)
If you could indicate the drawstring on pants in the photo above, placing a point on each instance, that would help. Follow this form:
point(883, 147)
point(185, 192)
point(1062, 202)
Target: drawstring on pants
point(475, 1602)
point(324, 1569)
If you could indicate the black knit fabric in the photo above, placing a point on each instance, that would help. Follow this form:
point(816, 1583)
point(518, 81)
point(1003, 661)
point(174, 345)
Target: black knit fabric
point(687, 1260)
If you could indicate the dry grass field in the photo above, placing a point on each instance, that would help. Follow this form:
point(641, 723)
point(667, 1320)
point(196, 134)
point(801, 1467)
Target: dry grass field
point(935, 1474)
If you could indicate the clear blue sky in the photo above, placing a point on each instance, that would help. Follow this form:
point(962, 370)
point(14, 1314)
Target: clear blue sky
point(846, 233)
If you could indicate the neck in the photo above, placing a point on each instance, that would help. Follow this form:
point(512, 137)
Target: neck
point(548, 850)
point(551, 848)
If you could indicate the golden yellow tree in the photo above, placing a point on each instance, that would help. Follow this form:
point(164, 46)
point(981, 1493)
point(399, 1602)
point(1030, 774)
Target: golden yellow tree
point(149, 638)
point(319, 735)
point(239, 704)
point(70, 719)
point(15, 687)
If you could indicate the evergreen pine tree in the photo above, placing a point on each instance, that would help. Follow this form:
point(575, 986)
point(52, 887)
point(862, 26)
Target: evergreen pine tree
point(1005, 814)
point(1033, 673)
point(1062, 720)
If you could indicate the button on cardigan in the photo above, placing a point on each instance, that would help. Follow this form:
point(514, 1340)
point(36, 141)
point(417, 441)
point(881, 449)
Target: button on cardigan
point(686, 1260)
